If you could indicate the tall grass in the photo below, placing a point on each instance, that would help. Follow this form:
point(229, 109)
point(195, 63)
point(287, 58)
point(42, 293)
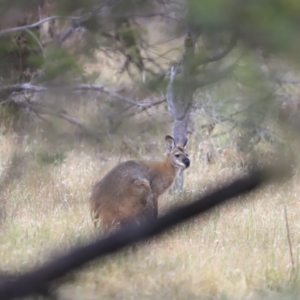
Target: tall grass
point(237, 250)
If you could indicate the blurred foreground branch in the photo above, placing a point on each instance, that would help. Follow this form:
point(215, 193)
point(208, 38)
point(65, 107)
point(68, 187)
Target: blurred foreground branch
point(38, 281)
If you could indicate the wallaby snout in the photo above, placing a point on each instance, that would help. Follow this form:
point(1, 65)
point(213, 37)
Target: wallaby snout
point(186, 161)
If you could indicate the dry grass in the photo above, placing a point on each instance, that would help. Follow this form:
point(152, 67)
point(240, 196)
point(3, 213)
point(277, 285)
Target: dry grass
point(235, 250)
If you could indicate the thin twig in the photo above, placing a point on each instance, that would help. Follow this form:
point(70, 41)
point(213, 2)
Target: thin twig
point(289, 237)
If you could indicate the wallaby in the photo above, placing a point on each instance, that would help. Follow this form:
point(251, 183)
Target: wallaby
point(128, 194)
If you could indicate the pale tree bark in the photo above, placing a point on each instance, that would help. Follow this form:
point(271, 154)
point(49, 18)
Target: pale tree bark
point(185, 79)
point(180, 92)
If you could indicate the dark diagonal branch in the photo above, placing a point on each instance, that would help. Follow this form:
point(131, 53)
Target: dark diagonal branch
point(32, 282)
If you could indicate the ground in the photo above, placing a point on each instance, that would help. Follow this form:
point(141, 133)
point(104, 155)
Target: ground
point(239, 250)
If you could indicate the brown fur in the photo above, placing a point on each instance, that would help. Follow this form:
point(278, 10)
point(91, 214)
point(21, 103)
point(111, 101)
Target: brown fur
point(128, 194)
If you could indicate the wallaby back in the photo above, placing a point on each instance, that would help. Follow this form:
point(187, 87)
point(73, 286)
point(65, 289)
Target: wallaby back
point(129, 192)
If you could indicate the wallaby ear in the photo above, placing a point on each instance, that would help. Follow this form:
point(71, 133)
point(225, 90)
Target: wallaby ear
point(170, 143)
point(185, 142)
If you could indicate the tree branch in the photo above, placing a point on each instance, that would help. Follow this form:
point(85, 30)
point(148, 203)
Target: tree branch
point(28, 87)
point(78, 24)
point(42, 109)
point(101, 88)
point(23, 87)
point(33, 25)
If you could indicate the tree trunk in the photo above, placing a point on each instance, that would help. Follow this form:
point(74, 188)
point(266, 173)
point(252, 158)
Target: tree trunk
point(180, 92)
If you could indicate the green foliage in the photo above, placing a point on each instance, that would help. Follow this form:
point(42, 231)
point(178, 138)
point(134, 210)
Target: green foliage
point(43, 157)
point(7, 45)
point(19, 53)
point(36, 61)
point(270, 23)
point(68, 7)
point(9, 115)
point(60, 63)
point(132, 32)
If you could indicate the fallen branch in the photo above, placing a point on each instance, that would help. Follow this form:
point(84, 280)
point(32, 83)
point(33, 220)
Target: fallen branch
point(38, 280)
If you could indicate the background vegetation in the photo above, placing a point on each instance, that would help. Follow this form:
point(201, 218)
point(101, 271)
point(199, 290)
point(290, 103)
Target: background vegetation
point(90, 87)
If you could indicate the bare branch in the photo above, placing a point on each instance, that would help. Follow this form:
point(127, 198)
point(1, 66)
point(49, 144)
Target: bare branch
point(78, 24)
point(43, 109)
point(101, 88)
point(28, 87)
point(39, 108)
point(17, 88)
point(33, 25)
point(38, 280)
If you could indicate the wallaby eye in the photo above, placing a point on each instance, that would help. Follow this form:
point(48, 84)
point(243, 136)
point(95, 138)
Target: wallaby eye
point(177, 155)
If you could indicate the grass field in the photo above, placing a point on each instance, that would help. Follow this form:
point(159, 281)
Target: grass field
point(237, 251)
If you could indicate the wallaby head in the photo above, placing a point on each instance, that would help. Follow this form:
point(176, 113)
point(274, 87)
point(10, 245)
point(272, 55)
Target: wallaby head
point(176, 153)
